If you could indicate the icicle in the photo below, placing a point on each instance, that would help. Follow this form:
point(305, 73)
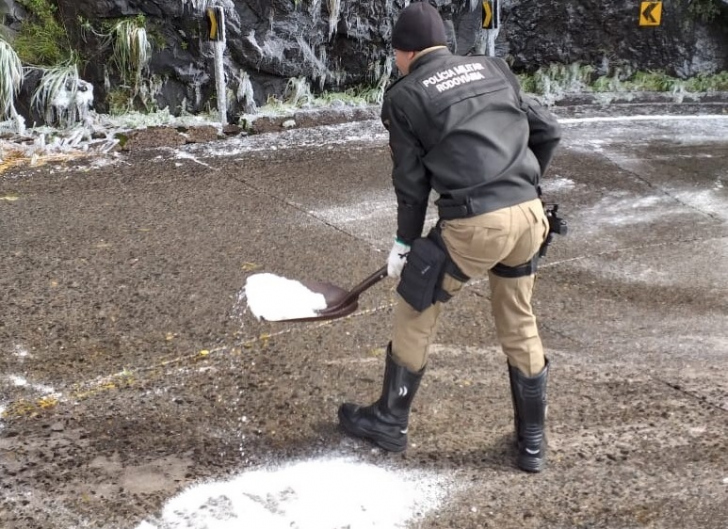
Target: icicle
point(334, 10)
point(315, 10)
point(320, 70)
point(245, 94)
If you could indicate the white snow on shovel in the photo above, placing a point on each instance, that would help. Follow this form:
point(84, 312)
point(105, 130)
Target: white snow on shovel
point(274, 298)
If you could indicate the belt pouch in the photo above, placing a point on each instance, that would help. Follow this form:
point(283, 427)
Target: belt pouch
point(422, 274)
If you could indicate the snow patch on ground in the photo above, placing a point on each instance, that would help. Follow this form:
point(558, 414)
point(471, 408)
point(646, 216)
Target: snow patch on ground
point(597, 133)
point(101, 136)
point(622, 209)
point(712, 201)
point(557, 183)
point(377, 206)
point(179, 155)
point(360, 131)
point(324, 493)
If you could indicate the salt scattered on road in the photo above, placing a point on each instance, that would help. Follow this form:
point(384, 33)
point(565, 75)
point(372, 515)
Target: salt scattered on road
point(21, 351)
point(275, 298)
point(328, 493)
point(19, 381)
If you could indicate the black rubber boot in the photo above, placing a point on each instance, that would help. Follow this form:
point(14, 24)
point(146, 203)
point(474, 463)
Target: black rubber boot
point(529, 406)
point(384, 422)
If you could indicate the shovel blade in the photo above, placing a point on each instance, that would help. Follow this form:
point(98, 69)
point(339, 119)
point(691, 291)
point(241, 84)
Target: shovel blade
point(333, 295)
point(339, 302)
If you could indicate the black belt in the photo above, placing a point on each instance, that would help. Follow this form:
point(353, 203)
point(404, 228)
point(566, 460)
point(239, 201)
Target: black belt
point(469, 207)
point(454, 212)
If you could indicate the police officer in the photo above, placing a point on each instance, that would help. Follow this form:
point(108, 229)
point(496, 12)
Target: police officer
point(461, 126)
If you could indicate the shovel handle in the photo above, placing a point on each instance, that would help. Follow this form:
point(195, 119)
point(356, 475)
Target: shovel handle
point(368, 283)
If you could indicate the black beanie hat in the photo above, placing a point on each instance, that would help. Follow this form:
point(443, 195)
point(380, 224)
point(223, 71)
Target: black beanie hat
point(418, 27)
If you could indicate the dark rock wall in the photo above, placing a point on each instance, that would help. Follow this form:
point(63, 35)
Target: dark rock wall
point(269, 42)
point(598, 33)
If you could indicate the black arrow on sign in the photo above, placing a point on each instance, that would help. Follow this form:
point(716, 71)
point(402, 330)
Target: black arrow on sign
point(647, 13)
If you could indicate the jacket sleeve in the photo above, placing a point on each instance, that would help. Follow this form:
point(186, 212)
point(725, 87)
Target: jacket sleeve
point(545, 131)
point(409, 175)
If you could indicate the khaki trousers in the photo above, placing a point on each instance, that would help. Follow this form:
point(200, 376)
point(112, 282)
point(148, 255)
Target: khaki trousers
point(510, 236)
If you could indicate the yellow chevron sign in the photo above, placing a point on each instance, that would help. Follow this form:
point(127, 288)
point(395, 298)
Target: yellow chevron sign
point(213, 24)
point(490, 17)
point(650, 13)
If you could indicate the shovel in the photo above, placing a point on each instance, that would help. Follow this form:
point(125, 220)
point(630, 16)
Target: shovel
point(339, 302)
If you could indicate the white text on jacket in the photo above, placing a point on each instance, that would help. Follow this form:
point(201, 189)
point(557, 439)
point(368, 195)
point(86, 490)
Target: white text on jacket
point(455, 76)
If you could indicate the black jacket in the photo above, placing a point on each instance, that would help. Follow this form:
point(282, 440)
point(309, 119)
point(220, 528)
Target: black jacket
point(460, 125)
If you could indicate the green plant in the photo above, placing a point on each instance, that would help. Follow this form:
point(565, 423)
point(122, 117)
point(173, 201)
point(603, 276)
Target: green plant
point(557, 78)
point(577, 78)
point(348, 96)
point(11, 77)
point(120, 101)
point(653, 81)
point(298, 92)
point(42, 40)
point(528, 83)
point(56, 94)
point(131, 49)
point(706, 83)
point(607, 83)
point(123, 99)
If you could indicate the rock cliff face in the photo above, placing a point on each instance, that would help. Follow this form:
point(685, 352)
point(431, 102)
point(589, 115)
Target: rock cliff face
point(336, 44)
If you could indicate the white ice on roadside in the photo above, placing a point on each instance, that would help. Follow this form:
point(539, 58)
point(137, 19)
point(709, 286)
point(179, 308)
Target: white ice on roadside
point(275, 298)
point(326, 493)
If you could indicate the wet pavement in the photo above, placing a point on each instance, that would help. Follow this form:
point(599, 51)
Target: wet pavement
point(130, 368)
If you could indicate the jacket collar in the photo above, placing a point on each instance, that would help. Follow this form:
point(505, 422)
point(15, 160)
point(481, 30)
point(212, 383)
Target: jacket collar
point(429, 55)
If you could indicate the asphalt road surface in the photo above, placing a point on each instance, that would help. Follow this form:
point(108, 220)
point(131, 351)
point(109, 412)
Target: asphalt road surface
point(131, 369)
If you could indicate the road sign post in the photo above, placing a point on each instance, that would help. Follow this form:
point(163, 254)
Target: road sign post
point(216, 26)
point(491, 23)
